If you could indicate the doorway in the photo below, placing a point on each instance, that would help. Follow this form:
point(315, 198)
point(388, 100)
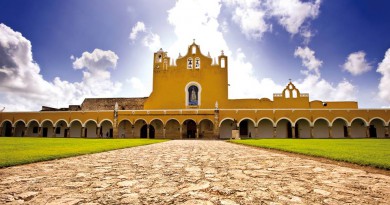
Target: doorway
point(191, 129)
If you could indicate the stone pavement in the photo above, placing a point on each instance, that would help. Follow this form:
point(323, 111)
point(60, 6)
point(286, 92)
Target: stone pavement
point(190, 172)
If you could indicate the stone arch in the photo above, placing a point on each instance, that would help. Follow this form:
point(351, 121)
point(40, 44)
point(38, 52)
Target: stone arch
point(91, 129)
point(321, 128)
point(47, 128)
point(75, 128)
point(322, 118)
point(125, 129)
point(265, 128)
point(339, 128)
point(61, 120)
point(172, 129)
point(206, 129)
point(225, 128)
point(20, 128)
point(46, 120)
point(358, 128)
point(302, 128)
point(377, 128)
point(32, 121)
point(189, 128)
point(17, 121)
point(284, 128)
point(106, 128)
point(156, 128)
point(6, 128)
point(359, 118)
point(61, 128)
point(138, 124)
point(247, 128)
point(226, 118)
point(33, 128)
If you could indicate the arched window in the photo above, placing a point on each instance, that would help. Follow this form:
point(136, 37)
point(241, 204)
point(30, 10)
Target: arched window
point(294, 93)
point(197, 63)
point(193, 49)
point(193, 95)
point(189, 63)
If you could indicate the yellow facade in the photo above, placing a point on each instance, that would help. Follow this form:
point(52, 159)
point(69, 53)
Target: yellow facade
point(190, 100)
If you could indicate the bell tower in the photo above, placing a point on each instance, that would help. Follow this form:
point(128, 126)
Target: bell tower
point(161, 60)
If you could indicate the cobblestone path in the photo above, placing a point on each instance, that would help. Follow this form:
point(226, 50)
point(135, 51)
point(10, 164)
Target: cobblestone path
point(190, 172)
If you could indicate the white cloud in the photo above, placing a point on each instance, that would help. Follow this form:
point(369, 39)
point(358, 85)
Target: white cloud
point(384, 84)
point(356, 63)
point(308, 59)
point(23, 87)
point(253, 16)
point(250, 18)
point(291, 14)
point(150, 39)
point(138, 27)
point(318, 88)
point(138, 87)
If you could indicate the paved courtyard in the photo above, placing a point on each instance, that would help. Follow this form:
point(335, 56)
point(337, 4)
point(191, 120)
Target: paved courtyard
point(190, 172)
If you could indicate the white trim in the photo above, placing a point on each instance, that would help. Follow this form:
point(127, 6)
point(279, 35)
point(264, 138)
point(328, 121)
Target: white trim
point(74, 120)
point(45, 120)
point(101, 121)
point(247, 118)
point(66, 122)
point(265, 118)
point(321, 118)
point(125, 120)
point(199, 92)
point(20, 120)
point(283, 118)
point(226, 118)
point(341, 118)
point(85, 123)
point(302, 118)
point(377, 118)
point(29, 122)
point(6, 120)
point(365, 122)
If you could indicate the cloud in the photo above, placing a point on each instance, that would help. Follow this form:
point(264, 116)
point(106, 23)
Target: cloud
point(254, 16)
point(138, 87)
point(384, 84)
point(318, 88)
point(291, 14)
point(250, 18)
point(308, 59)
point(23, 87)
point(356, 63)
point(149, 39)
point(138, 27)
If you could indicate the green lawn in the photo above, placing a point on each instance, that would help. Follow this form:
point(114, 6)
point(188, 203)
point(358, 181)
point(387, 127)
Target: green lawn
point(23, 150)
point(371, 152)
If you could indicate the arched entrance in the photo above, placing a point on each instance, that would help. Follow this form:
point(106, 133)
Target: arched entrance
point(283, 129)
point(321, 129)
point(339, 128)
point(106, 129)
point(125, 129)
point(377, 128)
point(61, 129)
point(225, 130)
point(144, 131)
point(139, 130)
point(90, 130)
point(358, 128)
point(20, 129)
point(158, 129)
point(75, 129)
point(7, 129)
point(265, 129)
point(47, 129)
point(189, 129)
point(302, 129)
point(247, 128)
point(206, 128)
point(32, 129)
point(172, 129)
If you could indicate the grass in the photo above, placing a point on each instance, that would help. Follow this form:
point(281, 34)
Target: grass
point(24, 150)
point(367, 152)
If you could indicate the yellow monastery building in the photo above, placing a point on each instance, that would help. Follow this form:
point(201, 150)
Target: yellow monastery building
point(190, 100)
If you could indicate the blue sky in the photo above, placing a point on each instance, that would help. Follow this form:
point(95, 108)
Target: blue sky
point(56, 53)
